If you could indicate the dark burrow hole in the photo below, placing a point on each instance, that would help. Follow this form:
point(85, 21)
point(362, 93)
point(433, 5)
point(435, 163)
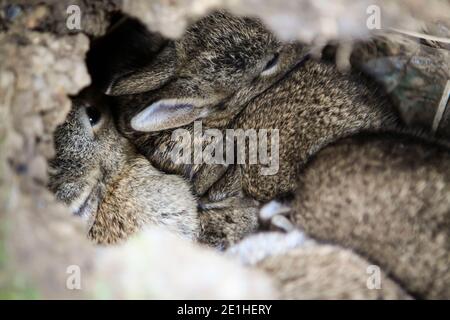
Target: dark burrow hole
point(125, 46)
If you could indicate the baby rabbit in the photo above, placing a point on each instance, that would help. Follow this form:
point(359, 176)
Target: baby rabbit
point(386, 196)
point(301, 268)
point(328, 272)
point(220, 64)
point(211, 73)
point(311, 107)
point(103, 179)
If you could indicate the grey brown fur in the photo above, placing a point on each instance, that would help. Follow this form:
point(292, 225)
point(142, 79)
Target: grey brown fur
point(320, 271)
point(388, 198)
point(311, 107)
point(99, 174)
point(302, 268)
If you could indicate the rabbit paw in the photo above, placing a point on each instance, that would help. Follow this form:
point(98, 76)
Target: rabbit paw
point(274, 213)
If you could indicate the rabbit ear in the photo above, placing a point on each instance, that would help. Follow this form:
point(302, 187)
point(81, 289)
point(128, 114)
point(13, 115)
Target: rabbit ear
point(151, 77)
point(167, 114)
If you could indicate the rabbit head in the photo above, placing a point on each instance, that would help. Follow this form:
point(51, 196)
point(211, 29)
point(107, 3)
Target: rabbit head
point(220, 64)
point(101, 177)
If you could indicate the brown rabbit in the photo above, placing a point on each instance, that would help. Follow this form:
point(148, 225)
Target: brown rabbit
point(301, 268)
point(312, 106)
point(328, 272)
point(103, 179)
point(386, 196)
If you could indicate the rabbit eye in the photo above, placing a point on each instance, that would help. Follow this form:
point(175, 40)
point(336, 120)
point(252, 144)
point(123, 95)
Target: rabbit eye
point(94, 115)
point(271, 66)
